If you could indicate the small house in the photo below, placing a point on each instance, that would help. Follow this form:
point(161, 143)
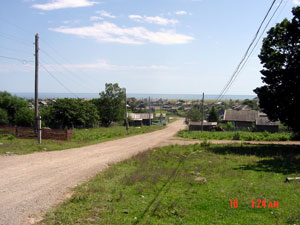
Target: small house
point(139, 119)
point(264, 124)
point(241, 118)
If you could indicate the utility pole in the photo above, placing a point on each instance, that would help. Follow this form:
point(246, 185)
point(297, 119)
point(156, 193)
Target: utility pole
point(37, 127)
point(160, 111)
point(149, 112)
point(202, 112)
point(126, 118)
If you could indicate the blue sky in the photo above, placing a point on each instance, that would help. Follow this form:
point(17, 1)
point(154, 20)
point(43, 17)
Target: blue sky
point(157, 46)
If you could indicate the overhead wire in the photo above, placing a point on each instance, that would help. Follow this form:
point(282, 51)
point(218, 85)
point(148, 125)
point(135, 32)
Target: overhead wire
point(74, 75)
point(58, 81)
point(17, 59)
point(254, 47)
point(228, 84)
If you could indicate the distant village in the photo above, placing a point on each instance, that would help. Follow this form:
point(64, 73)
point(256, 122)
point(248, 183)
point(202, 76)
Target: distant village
point(232, 114)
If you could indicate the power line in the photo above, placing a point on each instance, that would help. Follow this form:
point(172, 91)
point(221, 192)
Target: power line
point(58, 81)
point(229, 83)
point(249, 55)
point(24, 61)
point(74, 75)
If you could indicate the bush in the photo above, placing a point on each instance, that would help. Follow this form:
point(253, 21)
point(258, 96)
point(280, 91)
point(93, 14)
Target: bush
point(236, 136)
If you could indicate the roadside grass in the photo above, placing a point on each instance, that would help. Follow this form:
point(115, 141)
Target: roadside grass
point(235, 135)
point(159, 187)
point(81, 137)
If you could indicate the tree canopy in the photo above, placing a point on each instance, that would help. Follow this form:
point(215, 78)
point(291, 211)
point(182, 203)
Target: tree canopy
point(15, 111)
point(213, 115)
point(279, 98)
point(70, 113)
point(112, 104)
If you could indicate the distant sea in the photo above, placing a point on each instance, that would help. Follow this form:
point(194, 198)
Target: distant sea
point(138, 96)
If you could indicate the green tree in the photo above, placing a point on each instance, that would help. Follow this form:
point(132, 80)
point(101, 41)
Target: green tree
point(194, 115)
point(133, 103)
point(70, 113)
point(3, 117)
point(11, 104)
point(24, 117)
point(213, 115)
point(111, 103)
point(279, 98)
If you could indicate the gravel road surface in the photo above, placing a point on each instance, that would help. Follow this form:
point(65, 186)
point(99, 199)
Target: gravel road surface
point(32, 184)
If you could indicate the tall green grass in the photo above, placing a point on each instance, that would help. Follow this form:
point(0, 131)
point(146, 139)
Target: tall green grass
point(235, 135)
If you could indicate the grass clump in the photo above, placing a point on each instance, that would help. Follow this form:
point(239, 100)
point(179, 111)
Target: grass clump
point(234, 135)
point(160, 187)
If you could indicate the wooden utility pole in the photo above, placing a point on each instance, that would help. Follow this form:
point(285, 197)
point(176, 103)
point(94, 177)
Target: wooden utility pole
point(149, 112)
point(202, 112)
point(37, 120)
point(126, 118)
point(160, 111)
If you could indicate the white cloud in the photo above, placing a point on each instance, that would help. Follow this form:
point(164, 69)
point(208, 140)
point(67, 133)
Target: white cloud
point(153, 19)
point(109, 32)
point(61, 4)
point(105, 14)
point(296, 2)
point(181, 12)
point(95, 18)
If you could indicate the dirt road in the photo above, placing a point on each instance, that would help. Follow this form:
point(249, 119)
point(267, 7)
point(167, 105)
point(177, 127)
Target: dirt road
point(32, 184)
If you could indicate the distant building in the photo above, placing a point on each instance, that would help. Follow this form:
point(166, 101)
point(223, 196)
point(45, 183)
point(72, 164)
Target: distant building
point(139, 119)
point(207, 126)
point(240, 118)
point(264, 124)
point(250, 119)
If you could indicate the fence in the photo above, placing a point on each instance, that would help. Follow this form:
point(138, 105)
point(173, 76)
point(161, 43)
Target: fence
point(28, 132)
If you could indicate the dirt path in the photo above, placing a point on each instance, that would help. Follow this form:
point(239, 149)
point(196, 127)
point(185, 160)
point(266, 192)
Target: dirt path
point(32, 184)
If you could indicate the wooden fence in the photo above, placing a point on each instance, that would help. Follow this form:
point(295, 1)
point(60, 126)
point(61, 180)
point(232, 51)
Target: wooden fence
point(28, 132)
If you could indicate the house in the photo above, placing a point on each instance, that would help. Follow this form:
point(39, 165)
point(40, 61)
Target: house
point(139, 119)
point(250, 119)
point(264, 124)
point(241, 118)
point(207, 126)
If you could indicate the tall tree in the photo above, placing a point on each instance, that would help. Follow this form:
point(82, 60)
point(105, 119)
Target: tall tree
point(111, 103)
point(213, 115)
point(279, 98)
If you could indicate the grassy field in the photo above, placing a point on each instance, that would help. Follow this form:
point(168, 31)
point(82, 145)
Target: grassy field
point(81, 137)
point(159, 187)
point(235, 135)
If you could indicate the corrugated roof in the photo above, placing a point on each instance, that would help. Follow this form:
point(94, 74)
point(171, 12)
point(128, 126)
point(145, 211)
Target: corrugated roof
point(240, 115)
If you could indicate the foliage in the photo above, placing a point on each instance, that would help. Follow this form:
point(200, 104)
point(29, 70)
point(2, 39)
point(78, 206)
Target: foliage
point(213, 115)
point(233, 135)
point(159, 187)
point(24, 117)
point(252, 103)
point(11, 104)
point(194, 115)
point(226, 126)
point(133, 103)
point(70, 113)
point(3, 117)
point(279, 98)
point(111, 104)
